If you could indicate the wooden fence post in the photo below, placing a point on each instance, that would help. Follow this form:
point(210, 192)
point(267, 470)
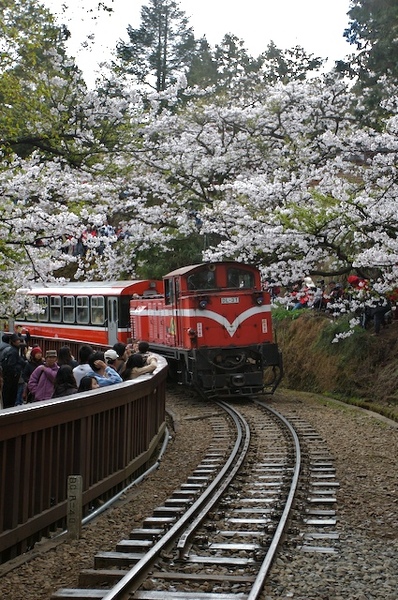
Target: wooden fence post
point(75, 506)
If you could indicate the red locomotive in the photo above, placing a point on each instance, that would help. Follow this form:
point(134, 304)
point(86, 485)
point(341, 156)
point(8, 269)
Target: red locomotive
point(214, 326)
point(211, 321)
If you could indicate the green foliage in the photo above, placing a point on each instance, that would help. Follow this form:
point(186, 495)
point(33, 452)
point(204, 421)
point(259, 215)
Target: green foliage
point(233, 61)
point(203, 71)
point(359, 370)
point(367, 404)
point(348, 348)
point(280, 313)
point(373, 30)
point(36, 79)
point(287, 65)
point(178, 253)
point(162, 47)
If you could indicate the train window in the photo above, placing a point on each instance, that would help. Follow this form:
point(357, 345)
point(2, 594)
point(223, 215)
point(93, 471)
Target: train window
point(97, 310)
point(82, 310)
point(30, 316)
point(68, 309)
point(168, 292)
point(239, 278)
point(202, 280)
point(55, 309)
point(42, 301)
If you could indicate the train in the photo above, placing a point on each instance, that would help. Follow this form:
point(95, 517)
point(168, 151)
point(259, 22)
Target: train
point(211, 321)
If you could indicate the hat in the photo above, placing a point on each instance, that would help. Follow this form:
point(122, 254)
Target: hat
point(36, 350)
point(111, 355)
point(51, 354)
point(15, 338)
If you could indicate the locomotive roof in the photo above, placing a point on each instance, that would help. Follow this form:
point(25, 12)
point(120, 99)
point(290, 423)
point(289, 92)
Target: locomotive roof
point(189, 268)
point(103, 288)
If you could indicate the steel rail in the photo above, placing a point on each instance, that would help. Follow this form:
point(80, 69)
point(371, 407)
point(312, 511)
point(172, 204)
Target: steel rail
point(266, 564)
point(131, 581)
point(186, 527)
point(241, 425)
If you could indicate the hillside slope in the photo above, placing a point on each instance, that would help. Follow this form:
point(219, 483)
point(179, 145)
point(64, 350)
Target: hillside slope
point(363, 366)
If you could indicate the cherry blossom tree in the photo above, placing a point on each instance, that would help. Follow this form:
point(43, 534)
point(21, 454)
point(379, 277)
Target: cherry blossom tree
point(284, 176)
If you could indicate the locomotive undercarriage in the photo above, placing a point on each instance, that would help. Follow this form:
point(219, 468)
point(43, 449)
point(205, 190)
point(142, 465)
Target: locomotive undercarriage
point(230, 372)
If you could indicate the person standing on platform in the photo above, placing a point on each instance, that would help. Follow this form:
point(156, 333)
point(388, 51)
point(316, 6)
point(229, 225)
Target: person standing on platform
point(65, 383)
point(87, 383)
point(104, 374)
point(35, 360)
point(65, 357)
point(83, 367)
point(41, 382)
point(12, 363)
point(5, 343)
point(137, 365)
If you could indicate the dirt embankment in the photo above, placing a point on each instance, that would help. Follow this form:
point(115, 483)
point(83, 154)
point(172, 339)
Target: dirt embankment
point(362, 366)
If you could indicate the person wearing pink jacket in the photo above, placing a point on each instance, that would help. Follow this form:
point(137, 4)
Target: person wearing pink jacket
point(41, 382)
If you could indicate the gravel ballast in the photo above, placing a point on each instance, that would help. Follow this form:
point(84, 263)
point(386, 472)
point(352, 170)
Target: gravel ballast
point(365, 450)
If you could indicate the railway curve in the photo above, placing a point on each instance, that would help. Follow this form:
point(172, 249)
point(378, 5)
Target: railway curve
point(365, 453)
point(233, 517)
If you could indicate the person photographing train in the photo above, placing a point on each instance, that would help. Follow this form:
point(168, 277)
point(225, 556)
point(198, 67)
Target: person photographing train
point(103, 372)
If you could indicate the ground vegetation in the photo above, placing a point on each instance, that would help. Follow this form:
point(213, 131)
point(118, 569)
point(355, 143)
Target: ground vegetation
point(360, 370)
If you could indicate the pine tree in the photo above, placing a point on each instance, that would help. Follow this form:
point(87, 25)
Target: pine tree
point(373, 29)
point(161, 48)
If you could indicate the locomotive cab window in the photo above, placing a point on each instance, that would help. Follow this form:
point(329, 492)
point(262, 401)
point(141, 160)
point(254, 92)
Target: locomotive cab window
point(240, 279)
point(82, 310)
point(68, 309)
point(55, 309)
point(202, 280)
point(97, 310)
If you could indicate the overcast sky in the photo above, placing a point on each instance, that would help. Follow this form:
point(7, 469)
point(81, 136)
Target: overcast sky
point(316, 25)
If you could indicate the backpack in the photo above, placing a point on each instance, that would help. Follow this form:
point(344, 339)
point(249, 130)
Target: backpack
point(5, 357)
point(9, 362)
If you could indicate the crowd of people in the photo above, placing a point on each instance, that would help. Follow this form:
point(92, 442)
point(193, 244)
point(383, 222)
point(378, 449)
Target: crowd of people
point(92, 237)
point(356, 293)
point(29, 375)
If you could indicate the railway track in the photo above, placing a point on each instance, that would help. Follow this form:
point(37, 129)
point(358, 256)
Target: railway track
point(217, 535)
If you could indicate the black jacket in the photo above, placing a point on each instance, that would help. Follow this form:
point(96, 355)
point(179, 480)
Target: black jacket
point(12, 362)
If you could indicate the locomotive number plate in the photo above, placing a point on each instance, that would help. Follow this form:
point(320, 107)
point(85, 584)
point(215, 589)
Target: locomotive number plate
point(232, 300)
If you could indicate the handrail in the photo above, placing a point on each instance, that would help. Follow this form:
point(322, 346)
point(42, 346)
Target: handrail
point(107, 436)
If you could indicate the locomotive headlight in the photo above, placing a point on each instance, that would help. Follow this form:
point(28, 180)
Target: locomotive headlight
point(238, 380)
point(259, 300)
point(203, 303)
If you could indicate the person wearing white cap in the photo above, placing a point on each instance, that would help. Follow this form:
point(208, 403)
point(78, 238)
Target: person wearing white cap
point(103, 372)
point(110, 356)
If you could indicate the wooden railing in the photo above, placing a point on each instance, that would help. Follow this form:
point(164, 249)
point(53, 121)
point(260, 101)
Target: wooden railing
point(107, 436)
